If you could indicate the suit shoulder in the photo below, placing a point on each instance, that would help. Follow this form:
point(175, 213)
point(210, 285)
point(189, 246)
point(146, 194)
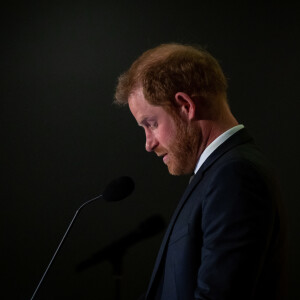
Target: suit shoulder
point(242, 173)
point(245, 157)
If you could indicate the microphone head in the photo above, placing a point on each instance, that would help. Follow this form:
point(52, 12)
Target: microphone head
point(118, 189)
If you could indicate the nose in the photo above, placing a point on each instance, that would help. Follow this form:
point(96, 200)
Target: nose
point(151, 142)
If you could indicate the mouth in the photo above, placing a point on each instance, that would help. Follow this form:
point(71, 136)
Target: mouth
point(165, 158)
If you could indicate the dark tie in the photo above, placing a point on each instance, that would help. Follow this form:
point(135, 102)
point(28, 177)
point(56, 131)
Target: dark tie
point(191, 178)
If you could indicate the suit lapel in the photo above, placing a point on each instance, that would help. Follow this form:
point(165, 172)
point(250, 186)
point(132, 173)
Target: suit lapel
point(238, 138)
point(169, 230)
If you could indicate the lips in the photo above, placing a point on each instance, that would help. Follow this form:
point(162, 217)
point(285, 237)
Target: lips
point(165, 158)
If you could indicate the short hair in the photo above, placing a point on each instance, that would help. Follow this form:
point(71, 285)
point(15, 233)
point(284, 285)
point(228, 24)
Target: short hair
point(163, 71)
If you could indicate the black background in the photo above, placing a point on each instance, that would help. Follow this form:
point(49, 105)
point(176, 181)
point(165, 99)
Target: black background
point(63, 140)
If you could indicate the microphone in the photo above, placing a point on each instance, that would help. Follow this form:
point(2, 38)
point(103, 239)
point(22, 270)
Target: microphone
point(116, 190)
point(116, 249)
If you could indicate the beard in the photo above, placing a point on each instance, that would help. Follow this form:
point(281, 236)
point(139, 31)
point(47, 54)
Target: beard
point(183, 150)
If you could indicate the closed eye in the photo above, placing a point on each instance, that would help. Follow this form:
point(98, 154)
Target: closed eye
point(152, 125)
point(149, 124)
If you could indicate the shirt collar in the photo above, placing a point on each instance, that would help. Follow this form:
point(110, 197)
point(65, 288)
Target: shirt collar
point(215, 144)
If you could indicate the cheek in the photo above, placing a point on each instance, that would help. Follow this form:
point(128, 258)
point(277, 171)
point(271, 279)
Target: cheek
point(167, 135)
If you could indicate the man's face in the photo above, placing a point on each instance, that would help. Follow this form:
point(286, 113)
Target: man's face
point(173, 139)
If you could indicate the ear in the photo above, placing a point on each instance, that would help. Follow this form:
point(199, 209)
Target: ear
point(186, 105)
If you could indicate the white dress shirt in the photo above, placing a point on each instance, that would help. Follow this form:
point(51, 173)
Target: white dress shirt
point(215, 144)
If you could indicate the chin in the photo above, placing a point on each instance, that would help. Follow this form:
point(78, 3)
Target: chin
point(174, 173)
point(177, 170)
point(183, 166)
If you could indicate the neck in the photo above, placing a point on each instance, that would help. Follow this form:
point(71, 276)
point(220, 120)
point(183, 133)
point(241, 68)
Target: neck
point(211, 129)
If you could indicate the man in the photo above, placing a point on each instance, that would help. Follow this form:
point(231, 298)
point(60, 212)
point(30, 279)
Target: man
point(226, 237)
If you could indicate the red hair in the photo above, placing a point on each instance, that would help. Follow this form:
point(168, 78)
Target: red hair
point(170, 68)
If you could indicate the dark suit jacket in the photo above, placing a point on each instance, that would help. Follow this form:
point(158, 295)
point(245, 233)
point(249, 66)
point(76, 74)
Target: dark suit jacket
point(226, 238)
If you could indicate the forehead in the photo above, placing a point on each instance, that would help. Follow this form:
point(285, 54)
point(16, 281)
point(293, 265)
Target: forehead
point(142, 109)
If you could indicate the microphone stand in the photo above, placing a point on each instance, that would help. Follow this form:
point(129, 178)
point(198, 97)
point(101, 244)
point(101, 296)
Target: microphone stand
point(115, 252)
point(117, 264)
point(61, 242)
